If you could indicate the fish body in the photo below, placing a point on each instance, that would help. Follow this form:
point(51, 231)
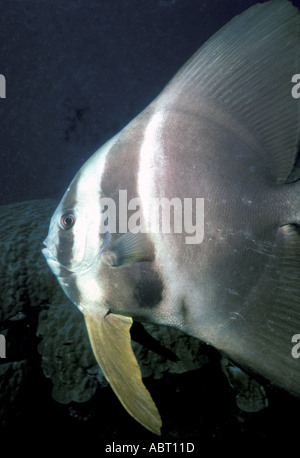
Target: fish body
point(220, 144)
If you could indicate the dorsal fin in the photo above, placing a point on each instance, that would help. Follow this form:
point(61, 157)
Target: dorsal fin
point(247, 66)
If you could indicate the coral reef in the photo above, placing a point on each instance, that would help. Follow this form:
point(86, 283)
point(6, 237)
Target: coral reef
point(43, 326)
point(24, 279)
point(67, 357)
point(13, 376)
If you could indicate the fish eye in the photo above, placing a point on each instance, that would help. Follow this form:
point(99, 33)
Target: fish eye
point(67, 221)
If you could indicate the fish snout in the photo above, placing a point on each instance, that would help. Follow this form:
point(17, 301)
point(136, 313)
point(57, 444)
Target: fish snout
point(45, 241)
point(46, 251)
point(50, 258)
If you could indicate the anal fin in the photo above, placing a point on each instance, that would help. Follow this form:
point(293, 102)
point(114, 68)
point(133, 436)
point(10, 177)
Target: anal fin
point(111, 342)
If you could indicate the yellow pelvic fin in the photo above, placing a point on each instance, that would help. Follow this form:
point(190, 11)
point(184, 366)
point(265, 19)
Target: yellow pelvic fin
point(111, 343)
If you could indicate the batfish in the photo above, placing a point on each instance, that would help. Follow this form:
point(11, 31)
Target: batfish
point(214, 154)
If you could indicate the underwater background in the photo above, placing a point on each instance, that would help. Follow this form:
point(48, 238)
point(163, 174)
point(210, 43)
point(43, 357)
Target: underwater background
point(76, 72)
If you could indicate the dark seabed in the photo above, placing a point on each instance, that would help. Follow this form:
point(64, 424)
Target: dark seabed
point(77, 72)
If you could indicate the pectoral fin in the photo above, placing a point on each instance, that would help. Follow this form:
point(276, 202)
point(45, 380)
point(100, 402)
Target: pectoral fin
point(110, 339)
point(128, 249)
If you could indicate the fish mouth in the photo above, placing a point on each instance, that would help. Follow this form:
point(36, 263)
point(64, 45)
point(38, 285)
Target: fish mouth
point(48, 254)
point(58, 269)
point(49, 258)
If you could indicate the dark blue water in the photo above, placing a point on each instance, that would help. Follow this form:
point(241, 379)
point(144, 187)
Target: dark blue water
point(78, 71)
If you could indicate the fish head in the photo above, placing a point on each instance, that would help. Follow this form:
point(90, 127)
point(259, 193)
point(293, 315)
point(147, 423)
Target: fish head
point(74, 242)
point(68, 247)
point(97, 268)
point(65, 226)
